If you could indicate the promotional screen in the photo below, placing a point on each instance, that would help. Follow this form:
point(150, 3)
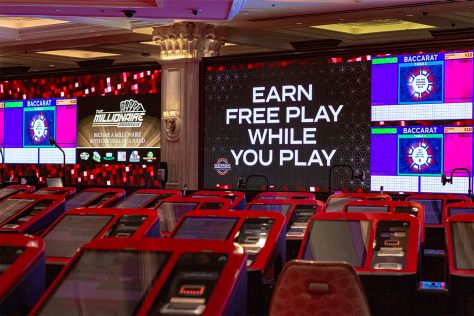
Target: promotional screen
point(290, 121)
point(422, 115)
point(122, 128)
point(29, 129)
point(431, 86)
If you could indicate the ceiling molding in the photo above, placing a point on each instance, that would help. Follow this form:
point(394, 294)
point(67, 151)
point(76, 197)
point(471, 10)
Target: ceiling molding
point(448, 43)
point(364, 11)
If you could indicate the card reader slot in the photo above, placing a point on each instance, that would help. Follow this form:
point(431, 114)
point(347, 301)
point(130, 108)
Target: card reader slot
point(182, 309)
point(392, 252)
point(388, 266)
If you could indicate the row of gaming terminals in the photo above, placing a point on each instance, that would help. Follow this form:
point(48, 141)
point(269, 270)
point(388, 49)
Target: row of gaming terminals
point(156, 252)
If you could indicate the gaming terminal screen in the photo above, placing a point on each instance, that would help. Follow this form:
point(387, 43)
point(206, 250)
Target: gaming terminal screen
point(105, 282)
point(463, 243)
point(80, 199)
point(460, 210)
point(212, 228)
point(280, 208)
point(72, 232)
point(367, 209)
point(171, 212)
point(341, 240)
point(11, 207)
point(136, 200)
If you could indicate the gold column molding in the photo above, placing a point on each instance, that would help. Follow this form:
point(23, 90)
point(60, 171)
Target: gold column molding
point(188, 40)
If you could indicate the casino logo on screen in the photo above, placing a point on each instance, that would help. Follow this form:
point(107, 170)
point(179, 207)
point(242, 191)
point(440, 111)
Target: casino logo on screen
point(222, 166)
point(84, 155)
point(149, 157)
point(109, 156)
point(420, 83)
point(39, 128)
point(134, 156)
point(121, 156)
point(419, 156)
point(131, 114)
point(96, 156)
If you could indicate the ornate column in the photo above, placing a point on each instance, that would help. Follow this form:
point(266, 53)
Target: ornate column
point(182, 46)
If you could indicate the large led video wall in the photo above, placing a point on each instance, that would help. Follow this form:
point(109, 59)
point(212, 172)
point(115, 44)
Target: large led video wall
point(422, 123)
point(289, 120)
point(404, 120)
point(108, 125)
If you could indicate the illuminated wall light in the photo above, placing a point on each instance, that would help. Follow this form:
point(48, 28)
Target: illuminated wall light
point(108, 182)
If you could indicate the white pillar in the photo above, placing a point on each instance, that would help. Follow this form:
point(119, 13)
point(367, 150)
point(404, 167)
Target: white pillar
point(182, 47)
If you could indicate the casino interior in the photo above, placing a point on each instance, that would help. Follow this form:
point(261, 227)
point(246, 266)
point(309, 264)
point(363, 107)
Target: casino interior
point(236, 157)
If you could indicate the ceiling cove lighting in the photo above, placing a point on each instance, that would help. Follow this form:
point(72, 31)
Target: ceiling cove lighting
point(19, 23)
point(373, 26)
point(76, 53)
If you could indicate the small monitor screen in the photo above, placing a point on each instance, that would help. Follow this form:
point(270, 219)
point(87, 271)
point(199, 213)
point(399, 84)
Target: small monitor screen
point(54, 182)
point(105, 282)
point(337, 204)
point(367, 209)
point(211, 206)
point(44, 192)
point(272, 197)
point(304, 212)
point(171, 212)
point(280, 208)
point(413, 210)
point(205, 196)
point(338, 240)
point(460, 210)
point(433, 210)
point(8, 254)
point(11, 207)
point(212, 228)
point(80, 199)
point(6, 192)
point(463, 245)
point(136, 200)
point(72, 232)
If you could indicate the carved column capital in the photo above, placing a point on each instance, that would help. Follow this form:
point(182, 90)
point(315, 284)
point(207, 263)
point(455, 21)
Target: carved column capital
point(188, 40)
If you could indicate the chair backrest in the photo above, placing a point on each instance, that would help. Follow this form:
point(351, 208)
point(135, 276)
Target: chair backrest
point(318, 288)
